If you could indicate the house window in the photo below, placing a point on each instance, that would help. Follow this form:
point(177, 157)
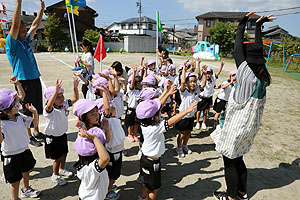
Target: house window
point(150, 26)
point(123, 26)
point(249, 24)
point(116, 31)
point(207, 38)
point(130, 26)
point(208, 23)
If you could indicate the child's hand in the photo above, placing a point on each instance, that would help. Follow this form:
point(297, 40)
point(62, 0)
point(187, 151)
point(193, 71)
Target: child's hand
point(76, 73)
point(13, 80)
point(143, 57)
point(75, 81)
point(113, 72)
point(83, 133)
point(199, 60)
point(167, 86)
point(271, 18)
point(105, 124)
point(204, 69)
point(173, 89)
point(134, 68)
point(186, 62)
point(80, 125)
point(222, 62)
point(58, 85)
point(104, 76)
point(192, 107)
point(30, 107)
point(122, 80)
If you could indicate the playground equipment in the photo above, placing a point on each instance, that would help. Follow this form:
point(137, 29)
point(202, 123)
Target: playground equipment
point(205, 50)
point(290, 61)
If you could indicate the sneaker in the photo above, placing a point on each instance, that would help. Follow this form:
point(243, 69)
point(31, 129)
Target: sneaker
point(112, 195)
point(2, 177)
point(58, 180)
point(130, 138)
point(114, 188)
point(140, 179)
point(141, 198)
point(135, 138)
point(197, 126)
point(30, 192)
point(65, 173)
point(179, 152)
point(242, 197)
point(34, 142)
point(186, 149)
point(220, 195)
point(39, 136)
point(203, 126)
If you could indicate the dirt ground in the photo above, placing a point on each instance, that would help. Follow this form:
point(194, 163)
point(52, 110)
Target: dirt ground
point(273, 162)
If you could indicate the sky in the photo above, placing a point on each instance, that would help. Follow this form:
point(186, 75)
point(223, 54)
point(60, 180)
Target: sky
point(182, 13)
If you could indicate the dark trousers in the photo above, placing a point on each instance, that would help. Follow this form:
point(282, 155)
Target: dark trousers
point(84, 90)
point(235, 175)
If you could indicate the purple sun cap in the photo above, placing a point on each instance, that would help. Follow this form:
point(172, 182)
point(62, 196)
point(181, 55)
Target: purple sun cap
point(50, 91)
point(180, 67)
point(209, 69)
point(163, 68)
point(149, 80)
point(130, 72)
point(83, 106)
point(107, 73)
point(172, 67)
point(188, 64)
point(100, 105)
point(99, 81)
point(96, 76)
point(8, 91)
point(190, 74)
point(148, 93)
point(5, 101)
point(233, 72)
point(86, 147)
point(150, 62)
point(148, 108)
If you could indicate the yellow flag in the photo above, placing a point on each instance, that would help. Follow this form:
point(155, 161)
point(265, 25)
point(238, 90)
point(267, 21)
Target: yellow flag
point(75, 8)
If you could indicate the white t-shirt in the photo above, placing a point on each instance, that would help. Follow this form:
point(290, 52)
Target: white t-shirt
point(154, 139)
point(209, 87)
point(90, 93)
point(118, 103)
point(133, 97)
point(176, 81)
point(187, 98)
point(172, 78)
point(15, 135)
point(57, 120)
point(116, 142)
point(224, 93)
point(94, 182)
point(88, 58)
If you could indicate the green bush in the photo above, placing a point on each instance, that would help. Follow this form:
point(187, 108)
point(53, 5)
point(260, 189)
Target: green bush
point(42, 47)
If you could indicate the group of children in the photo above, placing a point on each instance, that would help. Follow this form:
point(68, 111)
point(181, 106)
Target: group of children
point(150, 91)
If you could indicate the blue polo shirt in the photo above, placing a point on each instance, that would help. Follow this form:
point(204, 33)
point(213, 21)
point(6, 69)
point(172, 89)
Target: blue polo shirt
point(21, 58)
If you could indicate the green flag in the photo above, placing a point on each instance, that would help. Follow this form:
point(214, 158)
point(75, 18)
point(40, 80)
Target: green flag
point(159, 24)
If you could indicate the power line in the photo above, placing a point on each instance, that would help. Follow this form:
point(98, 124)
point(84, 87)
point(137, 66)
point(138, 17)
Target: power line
point(293, 13)
point(282, 9)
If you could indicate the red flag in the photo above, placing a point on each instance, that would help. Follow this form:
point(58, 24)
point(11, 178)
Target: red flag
point(100, 49)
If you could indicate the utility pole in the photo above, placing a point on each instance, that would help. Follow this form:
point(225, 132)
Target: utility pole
point(139, 5)
point(174, 36)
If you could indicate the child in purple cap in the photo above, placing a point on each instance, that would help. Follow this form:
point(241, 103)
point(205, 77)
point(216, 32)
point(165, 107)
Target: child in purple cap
point(189, 92)
point(95, 186)
point(133, 92)
point(18, 159)
point(168, 107)
point(93, 158)
point(223, 96)
point(56, 115)
point(153, 128)
point(206, 95)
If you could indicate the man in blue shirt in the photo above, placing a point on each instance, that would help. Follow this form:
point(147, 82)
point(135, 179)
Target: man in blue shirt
point(24, 65)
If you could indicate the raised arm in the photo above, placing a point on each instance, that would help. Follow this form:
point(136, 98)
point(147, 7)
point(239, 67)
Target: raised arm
point(19, 87)
point(75, 90)
point(37, 21)
point(116, 81)
point(183, 79)
point(16, 21)
point(35, 116)
point(134, 68)
point(51, 101)
point(221, 67)
point(173, 120)
point(259, 23)
point(204, 77)
point(172, 91)
point(198, 68)
point(239, 39)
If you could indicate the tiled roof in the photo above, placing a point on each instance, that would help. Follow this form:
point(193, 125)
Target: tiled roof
point(144, 19)
point(230, 15)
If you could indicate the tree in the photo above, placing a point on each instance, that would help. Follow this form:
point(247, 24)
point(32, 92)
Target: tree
point(92, 36)
point(165, 38)
point(52, 31)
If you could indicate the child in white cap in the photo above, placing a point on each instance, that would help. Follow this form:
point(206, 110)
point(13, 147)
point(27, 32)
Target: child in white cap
point(56, 115)
point(153, 128)
point(18, 159)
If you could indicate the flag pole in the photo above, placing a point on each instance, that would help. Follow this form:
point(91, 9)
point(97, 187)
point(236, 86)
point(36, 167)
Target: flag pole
point(74, 28)
point(156, 38)
point(101, 52)
point(71, 34)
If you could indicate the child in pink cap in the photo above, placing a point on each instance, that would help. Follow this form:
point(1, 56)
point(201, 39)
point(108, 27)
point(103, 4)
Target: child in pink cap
point(93, 157)
point(18, 159)
point(223, 96)
point(153, 128)
point(56, 115)
point(133, 92)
